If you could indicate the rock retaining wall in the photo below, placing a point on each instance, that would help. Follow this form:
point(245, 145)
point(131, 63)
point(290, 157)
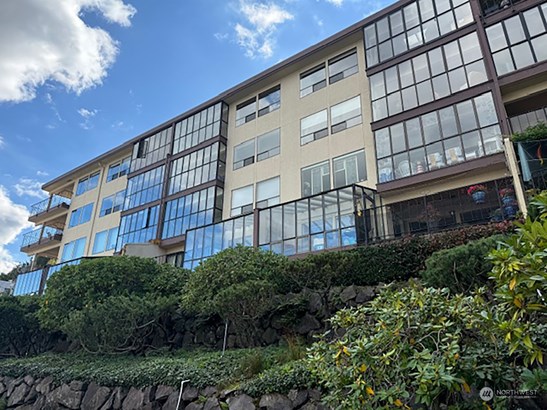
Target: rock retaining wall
point(27, 393)
point(305, 322)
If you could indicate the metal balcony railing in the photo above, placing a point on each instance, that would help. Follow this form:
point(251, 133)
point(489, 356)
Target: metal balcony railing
point(41, 235)
point(47, 204)
point(491, 6)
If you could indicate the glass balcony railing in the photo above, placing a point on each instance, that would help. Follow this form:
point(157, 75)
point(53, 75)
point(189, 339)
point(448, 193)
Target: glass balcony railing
point(41, 235)
point(47, 204)
point(491, 6)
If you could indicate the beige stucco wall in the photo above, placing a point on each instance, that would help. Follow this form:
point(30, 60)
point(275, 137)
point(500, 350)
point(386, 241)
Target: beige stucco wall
point(293, 157)
point(96, 224)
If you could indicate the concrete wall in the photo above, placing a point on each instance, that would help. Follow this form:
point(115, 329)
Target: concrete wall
point(293, 157)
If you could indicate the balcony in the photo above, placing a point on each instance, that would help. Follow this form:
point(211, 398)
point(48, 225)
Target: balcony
point(50, 212)
point(491, 6)
point(44, 241)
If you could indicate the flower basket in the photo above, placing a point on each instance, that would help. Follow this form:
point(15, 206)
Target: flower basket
point(478, 193)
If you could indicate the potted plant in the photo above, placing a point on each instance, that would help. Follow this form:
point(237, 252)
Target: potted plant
point(507, 195)
point(509, 204)
point(478, 193)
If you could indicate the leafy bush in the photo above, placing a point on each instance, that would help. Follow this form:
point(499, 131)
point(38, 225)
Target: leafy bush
point(520, 277)
point(235, 284)
point(111, 304)
point(533, 133)
point(20, 331)
point(411, 345)
point(462, 268)
point(280, 379)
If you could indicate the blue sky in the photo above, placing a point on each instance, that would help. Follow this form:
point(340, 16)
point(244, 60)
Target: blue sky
point(78, 77)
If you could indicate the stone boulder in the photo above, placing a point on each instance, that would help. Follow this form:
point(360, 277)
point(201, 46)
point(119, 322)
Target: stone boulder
point(275, 401)
point(18, 395)
point(67, 397)
point(241, 402)
point(348, 294)
point(134, 400)
point(95, 397)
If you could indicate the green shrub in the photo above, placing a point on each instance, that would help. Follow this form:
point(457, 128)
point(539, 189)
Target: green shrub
point(111, 304)
point(520, 277)
point(385, 262)
point(203, 368)
point(237, 285)
point(412, 345)
point(280, 379)
point(533, 133)
point(233, 266)
point(462, 268)
point(20, 331)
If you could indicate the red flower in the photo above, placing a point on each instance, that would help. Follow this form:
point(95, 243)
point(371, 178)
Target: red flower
point(475, 188)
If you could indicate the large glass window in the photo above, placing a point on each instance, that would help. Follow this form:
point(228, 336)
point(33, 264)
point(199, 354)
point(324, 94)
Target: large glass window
point(73, 250)
point(246, 112)
point(417, 23)
point(313, 127)
point(347, 114)
point(112, 203)
point(151, 149)
point(105, 240)
point(343, 66)
point(244, 154)
point(144, 188)
point(138, 227)
point(200, 127)
point(313, 80)
point(81, 215)
point(454, 134)
point(431, 76)
point(269, 101)
point(349, 168)
point(267, 145)
point(193, 210)
point(519, 41)
point(320, 222)
point(201, 243)
point(242, 200)
point(28, 283)
point(88, 183)
point(198, 167)
point(119, 169)
point(267, 193)
point(315, 179)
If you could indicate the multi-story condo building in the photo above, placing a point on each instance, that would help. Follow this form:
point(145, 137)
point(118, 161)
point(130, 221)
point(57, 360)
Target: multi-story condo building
point(381, 130)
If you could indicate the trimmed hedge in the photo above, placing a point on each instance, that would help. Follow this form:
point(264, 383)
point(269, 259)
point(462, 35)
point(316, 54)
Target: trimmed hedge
point(461, 268)
point(385, 262)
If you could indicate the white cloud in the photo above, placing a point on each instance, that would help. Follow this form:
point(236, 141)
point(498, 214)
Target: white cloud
point(29, 187)
point(263, 19)
point(87, 115)
point(317, 20)
point(2, 142)
point(13, 219)
point(43, 41)
point(42, 173)
point(337, 3)
point(221, 36)
point(84, 112)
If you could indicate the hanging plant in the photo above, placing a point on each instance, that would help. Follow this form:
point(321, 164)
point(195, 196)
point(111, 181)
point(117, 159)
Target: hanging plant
point(478, 193)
